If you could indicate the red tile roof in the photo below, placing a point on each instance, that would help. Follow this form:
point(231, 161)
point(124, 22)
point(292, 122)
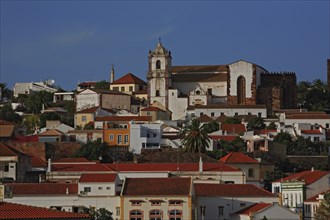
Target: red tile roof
point(51, 132)
point(254, 208)
point(72, 160)
point(231, 190)
point(307, 176)
point(31, 138)
point(237, 157)
point(6, 130)
point(18, 211)
point(157, 187)
point(80, 167)
point(315, 131)
point(44, 188)
point(171, 167)
point(223, 137)
point(129, 78)
point(97, 178)
point(37, 162)
point(152, 109)
point(205, 118)
point(124, 118)
point(233, 128)
point(314, 198)
point(6, 150)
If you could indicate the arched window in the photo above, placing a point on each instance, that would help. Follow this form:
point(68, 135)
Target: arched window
point(135, 214)
point(175, 214)
point(241, 90)
point(156, 214)
point(158, 65)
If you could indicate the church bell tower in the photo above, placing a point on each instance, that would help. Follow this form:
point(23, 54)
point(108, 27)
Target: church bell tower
point(159, 74)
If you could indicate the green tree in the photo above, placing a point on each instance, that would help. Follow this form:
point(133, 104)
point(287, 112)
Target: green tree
point(48, 116)
point(101, 214)
point(283, 138)
point(8, 114)
point(271, 126)
point(212, 126)
point(232, 120)
point(92, 150)
point(323, 211)
point(5, 92)
point(194, 137)
point(37, 100)
point(31, 123)
point(102, 85)
point(256, 123)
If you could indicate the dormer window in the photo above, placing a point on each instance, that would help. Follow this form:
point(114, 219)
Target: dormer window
point(158, 65)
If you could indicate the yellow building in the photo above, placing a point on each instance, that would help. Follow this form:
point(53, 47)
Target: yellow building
point(129, 84)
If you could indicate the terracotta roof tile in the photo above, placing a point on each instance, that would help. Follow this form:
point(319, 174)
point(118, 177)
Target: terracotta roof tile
point(315, 131)
point(314, 198)
point(254, 208)
point(37, 162)
point(51, 132)
point(44, 188)
point(199, 69)
point(129, 78)
point(171, 167)
point(7, 151)
point(18, 211)
point(223, 137)
point(157, 187)
point(205, 118)
point(97, 178)
point(72, 160)
point(231, 190)
point(6, 130)
point(237, 157)
point(80, 168)
point(233, 128)
point(307, 176)
point(124, 118)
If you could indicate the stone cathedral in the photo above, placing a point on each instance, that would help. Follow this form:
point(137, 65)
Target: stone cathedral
point(239, 85)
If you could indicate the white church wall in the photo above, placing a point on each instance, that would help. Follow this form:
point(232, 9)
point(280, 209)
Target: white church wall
point(241, 68)
point(177, 105)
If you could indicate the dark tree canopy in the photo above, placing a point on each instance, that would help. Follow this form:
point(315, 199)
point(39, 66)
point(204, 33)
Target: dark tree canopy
point(92, 150)
point(256, 123)
point(232, 120)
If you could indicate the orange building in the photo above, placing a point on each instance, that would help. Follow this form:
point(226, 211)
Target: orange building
point(116, 136)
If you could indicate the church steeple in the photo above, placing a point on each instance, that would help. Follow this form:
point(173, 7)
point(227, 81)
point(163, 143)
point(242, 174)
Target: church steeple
point(159, 74)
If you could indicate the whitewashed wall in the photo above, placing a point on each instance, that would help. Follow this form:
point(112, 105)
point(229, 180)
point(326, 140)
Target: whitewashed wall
point(241, 68)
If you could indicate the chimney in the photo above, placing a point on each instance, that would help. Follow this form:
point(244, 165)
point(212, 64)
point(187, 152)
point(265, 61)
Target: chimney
point(49, 168)
point(112, 74)
point(200, 165)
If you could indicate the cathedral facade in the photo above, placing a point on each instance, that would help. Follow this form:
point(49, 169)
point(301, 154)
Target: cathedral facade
point(239, 84)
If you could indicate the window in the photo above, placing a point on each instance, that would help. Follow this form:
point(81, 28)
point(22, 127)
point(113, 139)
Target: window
point(111, 137)
point(100, 188)
point(126, 139)
point(119, 139)
point(155, 202)
point(117, 211)
point(155, 214)
point(276, 189)
point(209, 91)
point(203, 210)
point(308, 208)
point(157, 93)
point(158, 64)
point(240, 90)
point(143, 145)
point(201, 114)
point(172, 93)
point(243, 204)
point(108, 188)
point(212, 114)
point(259, 114)
point(175, 202)
point(131, 89)
point(316, 138)
point(222, 113)
point(136, 202)
point(250, 172)
point(229, 182)
point(175, 214)
point(327, 125)
point(83, 118)
point(220, 210)
point(87, 189)
point(122, 88)
point(135, 215)
point(140, 87)
point(236, 113)
point(148, 113)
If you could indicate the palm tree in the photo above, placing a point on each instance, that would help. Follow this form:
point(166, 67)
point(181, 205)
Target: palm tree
point(194, 137)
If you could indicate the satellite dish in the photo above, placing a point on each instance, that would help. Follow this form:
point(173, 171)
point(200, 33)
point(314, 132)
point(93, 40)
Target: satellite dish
point(50, 82)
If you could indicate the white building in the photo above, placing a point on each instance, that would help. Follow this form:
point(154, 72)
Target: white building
point(144, 136)
point(28, 88)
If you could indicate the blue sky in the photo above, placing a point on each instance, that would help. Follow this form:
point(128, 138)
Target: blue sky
point(76, 41)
